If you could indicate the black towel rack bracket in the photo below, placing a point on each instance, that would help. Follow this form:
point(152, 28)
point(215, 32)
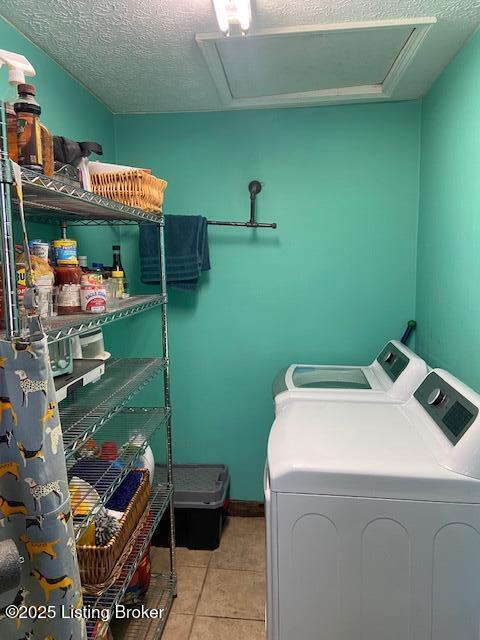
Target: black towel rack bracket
point(254, 188)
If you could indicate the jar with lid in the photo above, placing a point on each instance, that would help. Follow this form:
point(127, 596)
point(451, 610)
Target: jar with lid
point(29, 132)
point(67, 280)
point(118, 288)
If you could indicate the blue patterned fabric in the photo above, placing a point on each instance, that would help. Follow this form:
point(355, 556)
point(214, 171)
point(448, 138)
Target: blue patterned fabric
point(34, 497)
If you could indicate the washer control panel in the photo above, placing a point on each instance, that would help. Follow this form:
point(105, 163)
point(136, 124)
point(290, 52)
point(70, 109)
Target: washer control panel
point(451, 411)
point(393, 361)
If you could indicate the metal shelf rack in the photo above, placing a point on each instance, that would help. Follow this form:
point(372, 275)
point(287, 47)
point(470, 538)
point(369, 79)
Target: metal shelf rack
point(60, 327)
point(131, 430)
point(92, 406)
point(164, 587)
point(52, 200)
point(100, 408)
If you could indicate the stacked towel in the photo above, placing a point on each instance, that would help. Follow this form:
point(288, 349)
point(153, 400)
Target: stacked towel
point(186, 247)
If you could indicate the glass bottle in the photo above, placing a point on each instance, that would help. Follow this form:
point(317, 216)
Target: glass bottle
point(29, 131)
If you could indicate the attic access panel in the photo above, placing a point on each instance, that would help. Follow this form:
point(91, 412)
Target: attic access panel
point(313, 65)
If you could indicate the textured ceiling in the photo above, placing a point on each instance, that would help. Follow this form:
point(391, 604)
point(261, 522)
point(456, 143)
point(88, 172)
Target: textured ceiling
point(141, 55)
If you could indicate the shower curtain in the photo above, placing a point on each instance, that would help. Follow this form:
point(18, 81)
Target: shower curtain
point(34, 500)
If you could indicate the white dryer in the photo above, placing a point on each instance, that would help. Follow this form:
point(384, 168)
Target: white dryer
point(373, 518)
point(391, 377)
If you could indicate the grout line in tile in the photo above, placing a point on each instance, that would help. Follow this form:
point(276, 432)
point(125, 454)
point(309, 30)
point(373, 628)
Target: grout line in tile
point(259, 571)
point(230, 618)
point(199, 596)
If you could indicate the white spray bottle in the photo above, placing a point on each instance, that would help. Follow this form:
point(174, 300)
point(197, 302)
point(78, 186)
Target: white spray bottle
point(18, 67)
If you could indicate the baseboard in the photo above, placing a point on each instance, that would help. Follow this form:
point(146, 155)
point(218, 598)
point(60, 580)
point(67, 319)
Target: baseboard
point(246, 509)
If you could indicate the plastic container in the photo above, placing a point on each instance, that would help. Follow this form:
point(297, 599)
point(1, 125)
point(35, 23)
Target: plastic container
point(39, 248)
point(98, 270)
point(201, 505)
point(118, 287)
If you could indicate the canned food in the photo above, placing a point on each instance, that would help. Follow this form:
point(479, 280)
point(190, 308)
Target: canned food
point(93, 298)
point(40, 249)
point(65, 251)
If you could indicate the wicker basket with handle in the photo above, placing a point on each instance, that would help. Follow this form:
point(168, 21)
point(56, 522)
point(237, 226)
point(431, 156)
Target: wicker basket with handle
point(136, 188)
point(97, 563)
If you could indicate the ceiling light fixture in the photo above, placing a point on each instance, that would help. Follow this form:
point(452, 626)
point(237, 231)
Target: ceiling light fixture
point(233, 15)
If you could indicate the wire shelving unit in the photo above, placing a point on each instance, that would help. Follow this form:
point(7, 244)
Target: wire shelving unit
point(101, 409)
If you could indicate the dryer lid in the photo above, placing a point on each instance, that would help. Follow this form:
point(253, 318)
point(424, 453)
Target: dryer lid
point(358, 449)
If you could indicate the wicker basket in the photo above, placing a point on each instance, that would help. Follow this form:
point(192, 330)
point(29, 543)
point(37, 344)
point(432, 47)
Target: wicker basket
point(135, 188)
point(97, 563)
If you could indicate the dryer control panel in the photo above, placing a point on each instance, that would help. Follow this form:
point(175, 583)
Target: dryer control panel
point(393, 361)
point(450, 410)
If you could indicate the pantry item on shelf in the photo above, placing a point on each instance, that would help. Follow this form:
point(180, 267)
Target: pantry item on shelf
point(12, 128)
point(83, 263)
point(65, 251)
point(43, 279)
point(138, 585)
point(130, 186)
point(89, 450)
point(146, 459)
point(117, 266)
point(39, 248)
point(82, 496)
point(89, 468)
point(93, 294)
point(100, 566)
point(109, 451)
point(29, 132)
point(117, 260)
point(67, 279)
point(47, 150)
point(118, 287)
point(18, 67)
point(88, 536)
point(98, 270)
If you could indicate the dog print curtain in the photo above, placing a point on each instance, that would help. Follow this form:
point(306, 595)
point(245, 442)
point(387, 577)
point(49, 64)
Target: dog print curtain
point(34, 500)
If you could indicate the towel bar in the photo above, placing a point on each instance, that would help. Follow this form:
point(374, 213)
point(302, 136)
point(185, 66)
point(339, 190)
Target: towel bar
point(254, 188)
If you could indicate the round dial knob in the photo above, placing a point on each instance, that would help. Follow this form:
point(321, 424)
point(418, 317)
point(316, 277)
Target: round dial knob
point(390, 357)
point(436, 397)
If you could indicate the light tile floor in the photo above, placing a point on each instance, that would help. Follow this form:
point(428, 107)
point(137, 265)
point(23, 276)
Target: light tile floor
point(221, 594)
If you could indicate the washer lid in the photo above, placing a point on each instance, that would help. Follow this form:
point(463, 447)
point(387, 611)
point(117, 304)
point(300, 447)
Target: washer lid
point(314, 377)
point(392, 377)
point(358, 449)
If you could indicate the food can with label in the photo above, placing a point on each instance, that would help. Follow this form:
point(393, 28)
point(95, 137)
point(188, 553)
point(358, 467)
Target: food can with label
point(65, 251)
point(93, 298)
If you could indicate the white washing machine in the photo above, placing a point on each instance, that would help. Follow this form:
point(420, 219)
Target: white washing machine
point(373, 518)
point(392, 377)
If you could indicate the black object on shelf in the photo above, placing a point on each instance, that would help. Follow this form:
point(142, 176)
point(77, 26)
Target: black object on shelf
point(254, 187)
point(201, 505)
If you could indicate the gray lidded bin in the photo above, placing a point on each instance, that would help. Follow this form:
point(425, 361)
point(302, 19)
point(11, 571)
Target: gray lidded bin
point(200, 502)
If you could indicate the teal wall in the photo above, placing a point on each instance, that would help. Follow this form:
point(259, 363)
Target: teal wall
point(448, 308)
point(334, 281)
point(67, 107)
point(331, 284)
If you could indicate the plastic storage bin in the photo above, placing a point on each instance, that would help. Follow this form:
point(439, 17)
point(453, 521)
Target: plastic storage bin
point(201, 503)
